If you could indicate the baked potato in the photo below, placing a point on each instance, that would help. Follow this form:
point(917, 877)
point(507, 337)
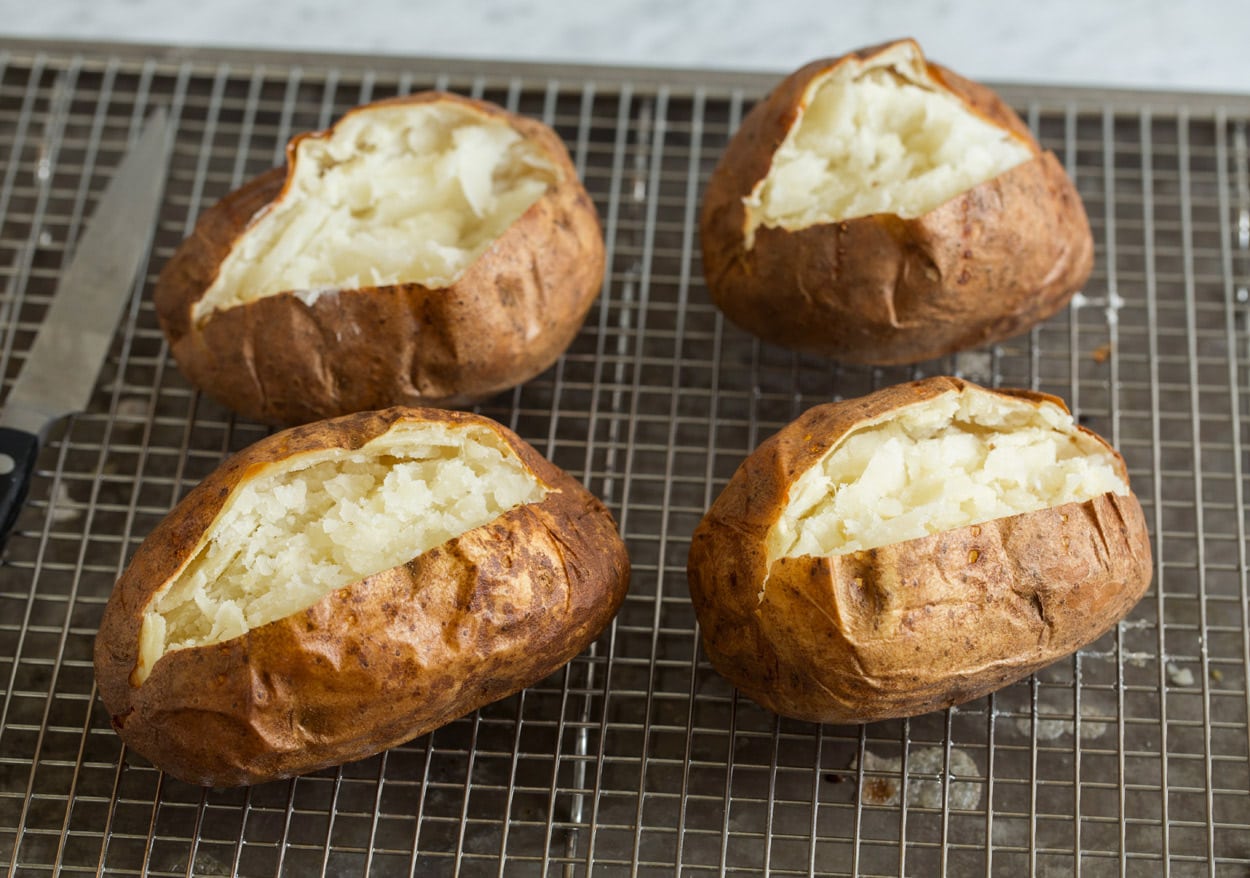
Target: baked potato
point(344, 586)
point(914, 549)
point(425, 250)
point(880, 209)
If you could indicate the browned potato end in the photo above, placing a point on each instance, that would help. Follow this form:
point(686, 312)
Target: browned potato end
point(343, 587)
point(425, 250)
point(914, 549)
point(877, 208)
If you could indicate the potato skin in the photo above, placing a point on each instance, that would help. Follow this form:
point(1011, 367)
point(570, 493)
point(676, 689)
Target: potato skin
point(375, 663)
point(911, 627)
point(508, 317)
point(879, 289)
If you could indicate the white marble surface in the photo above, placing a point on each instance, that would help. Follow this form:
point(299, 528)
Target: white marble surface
point(1144, 43)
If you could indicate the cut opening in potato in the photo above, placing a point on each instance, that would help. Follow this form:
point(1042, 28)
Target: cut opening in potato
point(392, 194)
point(308, 525)
point(963, 458)
point(878, 136)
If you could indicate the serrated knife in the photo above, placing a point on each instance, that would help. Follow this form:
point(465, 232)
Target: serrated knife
point(65, 359)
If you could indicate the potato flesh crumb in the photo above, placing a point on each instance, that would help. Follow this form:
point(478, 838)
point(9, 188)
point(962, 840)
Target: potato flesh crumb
point(881, 137)
point(305, 527)
point(961, 459)
point(405, 194)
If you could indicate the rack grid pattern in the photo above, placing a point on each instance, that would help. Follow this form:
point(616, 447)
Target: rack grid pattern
point(1132, 757)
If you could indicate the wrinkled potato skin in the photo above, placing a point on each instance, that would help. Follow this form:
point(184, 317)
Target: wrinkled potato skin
point(882, 290)
point(375, 663)
point(911, 627)
point(508, 317)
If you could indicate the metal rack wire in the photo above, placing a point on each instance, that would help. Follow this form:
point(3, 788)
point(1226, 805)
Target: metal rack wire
point(1129, 758)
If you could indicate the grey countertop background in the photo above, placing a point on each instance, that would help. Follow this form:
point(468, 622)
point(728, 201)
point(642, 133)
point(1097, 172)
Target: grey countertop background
point(1128, 43)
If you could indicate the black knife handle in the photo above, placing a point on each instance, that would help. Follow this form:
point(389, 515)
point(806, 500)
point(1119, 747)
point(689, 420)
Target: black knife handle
point(18, 451)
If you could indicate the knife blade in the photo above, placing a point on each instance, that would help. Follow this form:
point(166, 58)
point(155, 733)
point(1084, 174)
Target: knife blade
point(64, 361)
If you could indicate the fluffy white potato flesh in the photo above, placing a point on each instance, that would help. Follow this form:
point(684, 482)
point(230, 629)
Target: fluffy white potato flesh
point(307, 526)
point(878, 136)
point(961, 459)
point(392, 194)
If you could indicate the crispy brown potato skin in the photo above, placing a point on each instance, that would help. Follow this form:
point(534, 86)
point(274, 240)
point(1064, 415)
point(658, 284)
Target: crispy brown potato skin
point(879, 289)
point(911, 627)
point(373, 664)
point(508, 317)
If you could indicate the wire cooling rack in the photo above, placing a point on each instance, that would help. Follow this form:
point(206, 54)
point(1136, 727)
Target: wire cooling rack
point(1127, 759)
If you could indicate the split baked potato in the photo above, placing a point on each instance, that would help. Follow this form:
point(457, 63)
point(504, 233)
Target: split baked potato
point(914, 549)
point(425, 250)
point(345, 586)
point(877, 208)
